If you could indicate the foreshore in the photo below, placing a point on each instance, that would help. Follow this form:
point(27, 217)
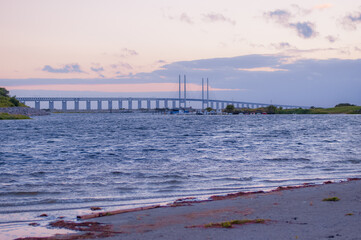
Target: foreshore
point(26, 111)
point(327, 211)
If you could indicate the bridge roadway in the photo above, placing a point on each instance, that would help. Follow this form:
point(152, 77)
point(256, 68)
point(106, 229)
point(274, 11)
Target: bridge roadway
point(175, 102)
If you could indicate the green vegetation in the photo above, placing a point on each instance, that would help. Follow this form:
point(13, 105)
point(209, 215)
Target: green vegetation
point(230, 109)
point(6, 116)
point(332, 199)
point(337, 110)
point(226, 225)
point(7, 101)
point(344, 105)
point(229, 224)
point(342, 108)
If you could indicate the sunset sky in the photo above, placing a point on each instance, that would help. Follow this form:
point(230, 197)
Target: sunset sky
point(291, 52)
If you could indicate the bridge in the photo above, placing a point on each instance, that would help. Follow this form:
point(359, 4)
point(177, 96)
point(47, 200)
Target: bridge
point(141, 103)
point(182, 102)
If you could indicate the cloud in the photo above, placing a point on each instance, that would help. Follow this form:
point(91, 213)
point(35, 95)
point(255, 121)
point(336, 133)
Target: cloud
point(218, 17)
point(331, 39)
point(125, 52)
point(323, 6)
point(185, 18)
point(122, 69)
point(122, 65)
point(262, 69)
point(279, 16)
point(301, 11)
point(282, 17)
point(116, 88)
point(69, 68)
point(95, 69)
point(98, 69)
point(306, 82)
point(281, 45)
point(304, 29)
point(351, 21)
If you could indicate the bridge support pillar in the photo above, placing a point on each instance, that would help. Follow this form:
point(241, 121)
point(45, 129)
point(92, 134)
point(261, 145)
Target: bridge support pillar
point(76, 105)
point(212, 105)
point(51, 105)
point(130, 104)
point(237, 105)
point(120, 104)
point(139, 104)
point(110, 105)
point(37, 104)
point(148, 104)
point(217, 105)
point(222, 105)
point(165, 103)
point(157, 104)
point(174, 104)
point(64, 107)
point(88, 105)
point(99, 105)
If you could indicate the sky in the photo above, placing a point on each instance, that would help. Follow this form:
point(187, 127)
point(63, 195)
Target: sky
point(271, 51)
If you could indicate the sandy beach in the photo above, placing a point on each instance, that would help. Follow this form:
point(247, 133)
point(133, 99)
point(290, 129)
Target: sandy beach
point(327, 211)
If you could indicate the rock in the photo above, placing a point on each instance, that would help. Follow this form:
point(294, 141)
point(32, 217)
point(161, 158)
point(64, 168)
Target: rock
point(95, 208)
point(24, 111)
point(34, 224)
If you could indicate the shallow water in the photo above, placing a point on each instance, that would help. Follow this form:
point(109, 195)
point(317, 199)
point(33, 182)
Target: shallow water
point(63, 164)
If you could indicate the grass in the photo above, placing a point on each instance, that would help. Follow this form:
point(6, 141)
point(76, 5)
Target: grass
point(334, 110)
point(337, 110)
point(332, 199)
point(10, 102)
point(229, 224)
point(6, 116)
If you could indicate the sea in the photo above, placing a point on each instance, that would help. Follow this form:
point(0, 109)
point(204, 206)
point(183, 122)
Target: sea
point(63, 164)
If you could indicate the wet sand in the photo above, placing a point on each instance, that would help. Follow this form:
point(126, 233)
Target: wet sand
point(284, 213)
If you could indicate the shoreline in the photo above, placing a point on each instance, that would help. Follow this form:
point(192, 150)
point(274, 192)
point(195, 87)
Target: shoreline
point(187, 217)
point(26, 111)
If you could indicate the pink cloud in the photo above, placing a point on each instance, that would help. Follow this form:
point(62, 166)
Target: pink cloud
point(262, 69)
point(146, 87)
point(323, 6)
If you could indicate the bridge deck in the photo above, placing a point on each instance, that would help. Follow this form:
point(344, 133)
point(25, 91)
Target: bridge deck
point(176, 102)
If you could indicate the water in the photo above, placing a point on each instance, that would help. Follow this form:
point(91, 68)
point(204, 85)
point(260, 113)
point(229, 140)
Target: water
point(63, 164)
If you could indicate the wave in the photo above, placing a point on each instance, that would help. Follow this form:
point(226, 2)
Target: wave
point(237, 179)
point(28, 193)
point(287, 159)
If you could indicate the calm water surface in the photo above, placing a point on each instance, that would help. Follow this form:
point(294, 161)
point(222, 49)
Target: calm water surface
point(63, 164)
